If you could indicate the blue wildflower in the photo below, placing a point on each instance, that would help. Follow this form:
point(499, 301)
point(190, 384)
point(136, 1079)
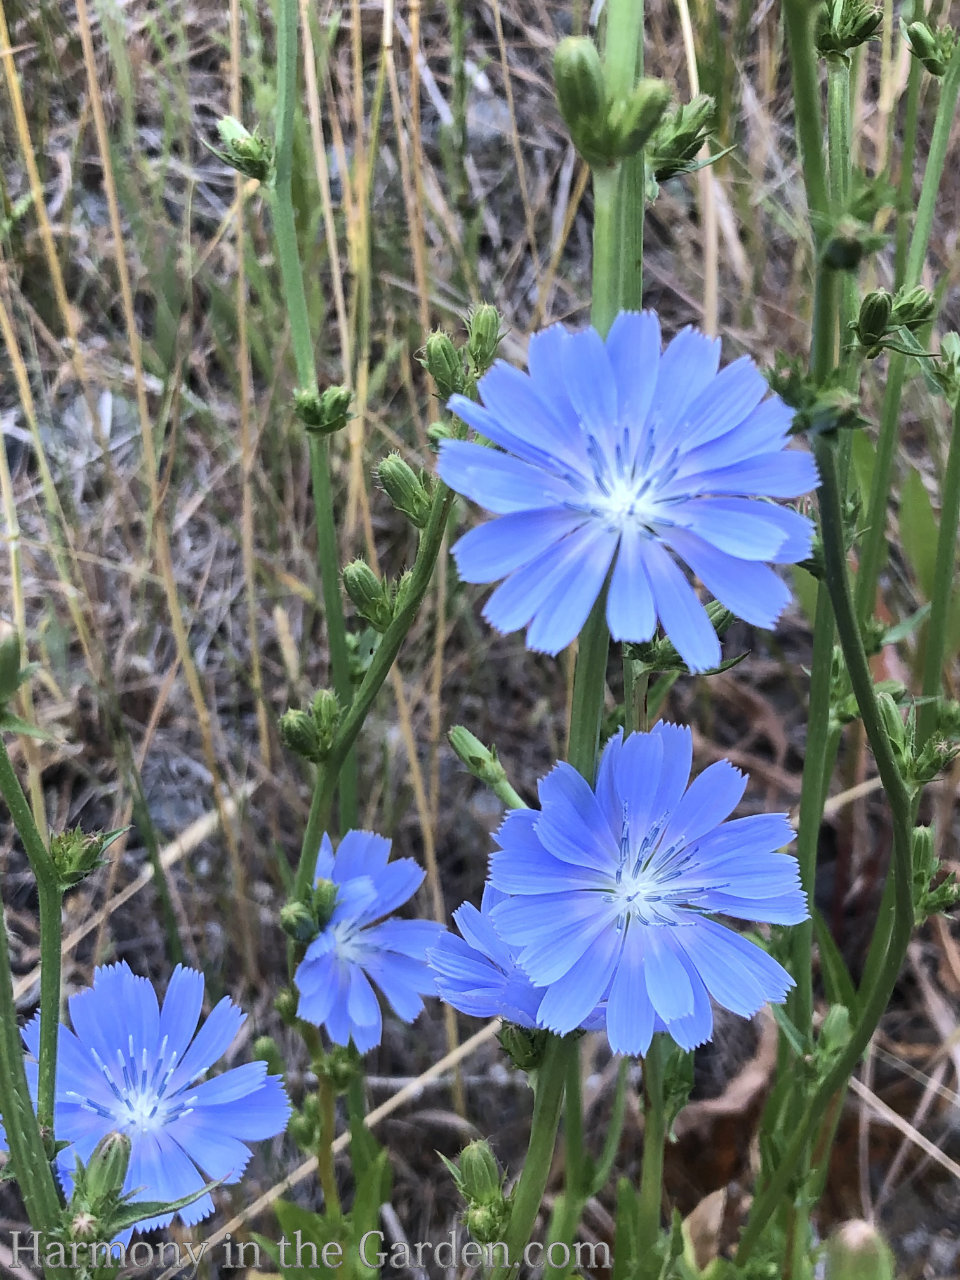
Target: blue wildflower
point(478, 972)
point(131, 1066)
point(611, 889)
point(353, 949)
point(618, 455)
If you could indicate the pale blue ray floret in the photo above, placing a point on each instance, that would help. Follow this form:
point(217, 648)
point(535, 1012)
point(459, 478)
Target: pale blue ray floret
point(615, 461)
point(134, 1067)
point(358, 948)
point(611, 889)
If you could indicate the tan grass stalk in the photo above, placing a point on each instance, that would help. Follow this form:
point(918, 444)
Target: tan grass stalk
point(705, 181)
point(163, 554)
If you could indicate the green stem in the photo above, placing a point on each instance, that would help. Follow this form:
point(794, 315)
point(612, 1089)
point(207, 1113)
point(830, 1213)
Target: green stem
point(798, 17)
point(908, 149)
point(606, 249)
point(881, 976)
point(589, 682)
point(50, 899)
point(873, 548)
point(651, 1171)
point(291, 271)
point(24, 1139)
point(326, 1167)
point(941, 597)
point(623, 63)
point(431, 541)
point(528, 1194)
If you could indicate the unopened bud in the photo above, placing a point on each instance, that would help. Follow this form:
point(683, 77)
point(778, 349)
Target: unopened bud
point(857, 1251)
point(323, 412)
point(298, 733)
point(634, 120)
point(933, 48)
point(581, 92)
point(480, 1178)
point(679, 137)
point(324, 901)
point(266, 1049)
point(369, 595)
point(843, 27)
point(285, 1003)
point(107, 1167)
point(243, 150)
point(326, 715)
point(524, 1047)
point(913, 308)
point(483, 337)
point(297, 922)
point(443, 362)
point(874, 319)
point(76, 854)
point(406, 490)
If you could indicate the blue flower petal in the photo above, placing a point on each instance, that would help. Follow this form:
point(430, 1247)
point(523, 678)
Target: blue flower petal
point(570, 823)
point(749, 589)
point(687, 366)
point(539, 431)
point(668, 984)
point(496, 480)
point(360, 853)
point(683, 617)
point(633, 348)
point(630, 1015)
point(575, 579)
point(500, 547)
point(588, 378)
point(631, 612)
point(711, 797)
point(182, 1006)
point(574, 995)
point(732, 395)
point(210, 1043)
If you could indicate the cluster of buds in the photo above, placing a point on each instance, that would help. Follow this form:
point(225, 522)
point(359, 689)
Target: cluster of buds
point(605, 128)
point(457, 370)
point(76, 853)
point(882, 317)
point(934, 47)
point(480, 1183)
point(843, 25)
point(310, 733)
point(247, 152)
point(659, 655)
point(679, 138)
point(945, 372)
point(920, 762)
point(818, 408)
point(323, 412)
point(934, 893)
point(302, 919)
point(98, 1208)
point(374, 600)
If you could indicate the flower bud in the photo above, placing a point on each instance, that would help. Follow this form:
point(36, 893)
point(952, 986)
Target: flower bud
point(297, 922)
point(634, 120)
point(848, 243)
point(84, 1226)
point(443, 362)
point(303, 1130)
point(487, 1223)
point(266, 1049)
point(326, 716)
point(581, 90)
point(524, 1047)
point(298, 733)
point(285, 1002)
point(874, 319)
point(933, 48)
point(857, 1251)
point(323, 412)
point(843, 27)
point(893, 725)
point(107, 1167)
point(76, 854)
point(406, 490)
point(484, 336)
point(679, 137)
point(913, 308)
point(243, 150)
point(324, 901)
point(479, 1176)
point(369, 595)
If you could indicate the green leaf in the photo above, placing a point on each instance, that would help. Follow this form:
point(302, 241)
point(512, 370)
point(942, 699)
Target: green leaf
point(805, 588)
point(130, 1213)
point(836, 975)
point(918, 530)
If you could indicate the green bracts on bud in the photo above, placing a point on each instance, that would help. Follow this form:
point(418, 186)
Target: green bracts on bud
point(484, 335)
point(407, 490)
point(874, 320)
point(857, 1251)
point(266, 1049)
point(604, 130)
point(107, 1168)
point(323, 412)
point(480, 1179)
point(913, 308)
point(843, 25)
point(310, 733)
point(443, 362)
point(581, 89)
point(679, 138)
point(933, 48)
point(849, 242)
point(297, 922)
point(247, 152)
point(372, 598)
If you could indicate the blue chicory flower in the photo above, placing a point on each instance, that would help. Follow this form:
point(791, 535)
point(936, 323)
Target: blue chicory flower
point(133, 1067)
point(611, 889)
point(478, 972)
point(618, 455)
point(353, 949)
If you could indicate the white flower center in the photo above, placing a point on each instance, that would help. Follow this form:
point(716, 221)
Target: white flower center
point(140, 1101)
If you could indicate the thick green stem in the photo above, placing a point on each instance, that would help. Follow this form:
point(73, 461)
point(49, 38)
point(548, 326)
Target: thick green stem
point(651, 1172)
point(798, 17)
point(326, 1167)
point(528, 1195)
point(291, 270)
point(50, 898)
point(908, 149)
point(606, 249)
point(431, 541)
point(873, 548)
point(881, 976)
point(942, 595)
